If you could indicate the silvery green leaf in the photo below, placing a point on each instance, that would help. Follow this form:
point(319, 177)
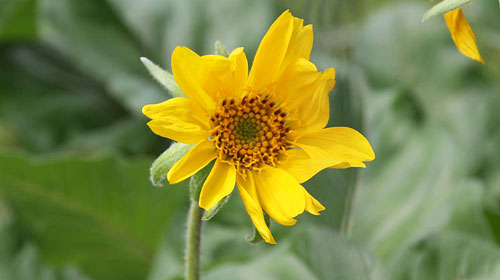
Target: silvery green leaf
point(165, 161)
point(163, 77)
point(214, 210)
point(444, 7)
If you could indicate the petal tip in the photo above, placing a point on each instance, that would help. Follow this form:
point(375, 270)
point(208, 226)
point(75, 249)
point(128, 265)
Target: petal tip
point(145, 110)
point(270, 241)
point(203, 204)
point(171, 178)
point(237, 51)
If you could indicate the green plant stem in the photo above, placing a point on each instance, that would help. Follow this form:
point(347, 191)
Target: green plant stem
point(193, 239)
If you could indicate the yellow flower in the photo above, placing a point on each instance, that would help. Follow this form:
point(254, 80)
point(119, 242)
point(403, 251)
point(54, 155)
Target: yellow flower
point(462, 34)
point(265, 130)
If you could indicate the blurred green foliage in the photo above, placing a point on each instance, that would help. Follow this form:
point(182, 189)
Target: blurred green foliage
point(75, 200)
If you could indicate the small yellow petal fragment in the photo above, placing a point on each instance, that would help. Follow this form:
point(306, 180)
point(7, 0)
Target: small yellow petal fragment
point(462, 34)
point(312, 205)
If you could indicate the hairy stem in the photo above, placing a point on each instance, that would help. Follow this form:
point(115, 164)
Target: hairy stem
point(193, 240)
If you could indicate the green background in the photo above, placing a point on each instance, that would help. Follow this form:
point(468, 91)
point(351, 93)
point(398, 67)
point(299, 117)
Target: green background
point(75, 199)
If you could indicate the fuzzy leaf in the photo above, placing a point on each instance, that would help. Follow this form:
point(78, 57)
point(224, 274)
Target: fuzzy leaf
point(444, 7)
point(165, 161)
point(214, 210)
point(163, 77)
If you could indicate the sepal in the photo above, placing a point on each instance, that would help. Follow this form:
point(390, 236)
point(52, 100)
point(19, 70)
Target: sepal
point(220, 49)
point(163, 77)
point(162, 164)
point(214, 210)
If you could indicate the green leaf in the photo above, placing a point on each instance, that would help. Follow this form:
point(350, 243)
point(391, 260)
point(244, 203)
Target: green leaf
point(102, 46)
point(46, 101)
point(163, 163)
point(396, 33)
point(214, 210)
point(163, 77)
point(17, 19)
point(24, 263)
point(101, 214)
point(332, 256)
point(270, 264)
point(401, 203)
point(449, 255)
point(444, 7)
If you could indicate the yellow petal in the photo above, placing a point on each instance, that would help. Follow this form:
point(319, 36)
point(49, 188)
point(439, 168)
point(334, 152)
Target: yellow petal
point(301, 42)
point(224, 77)
point(340, 143)
point(238, 71)
point(205, 79)
point(184, 132)
point(305, 92)
point(194, 160)
point(176, 119)
point(271, 53)
point(176, 107)
point(220, 182)
point(462, 34)
point(345, 165)
point(246, 188)
point(312, 205)
point(303, 167)
point(187, 67)
point(281, 196)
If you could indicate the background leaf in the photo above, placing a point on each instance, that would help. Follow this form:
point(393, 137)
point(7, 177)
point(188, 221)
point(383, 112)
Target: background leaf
point(106, 205)
point(18, 19)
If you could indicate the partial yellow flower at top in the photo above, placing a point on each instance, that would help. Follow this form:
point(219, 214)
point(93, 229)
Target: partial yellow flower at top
point(265, 130)
point(462, 34)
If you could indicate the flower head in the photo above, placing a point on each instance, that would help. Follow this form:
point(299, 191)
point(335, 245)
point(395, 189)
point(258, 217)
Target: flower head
point(265, 130)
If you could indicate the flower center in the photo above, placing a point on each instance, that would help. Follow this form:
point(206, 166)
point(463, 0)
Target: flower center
point(249, 133)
